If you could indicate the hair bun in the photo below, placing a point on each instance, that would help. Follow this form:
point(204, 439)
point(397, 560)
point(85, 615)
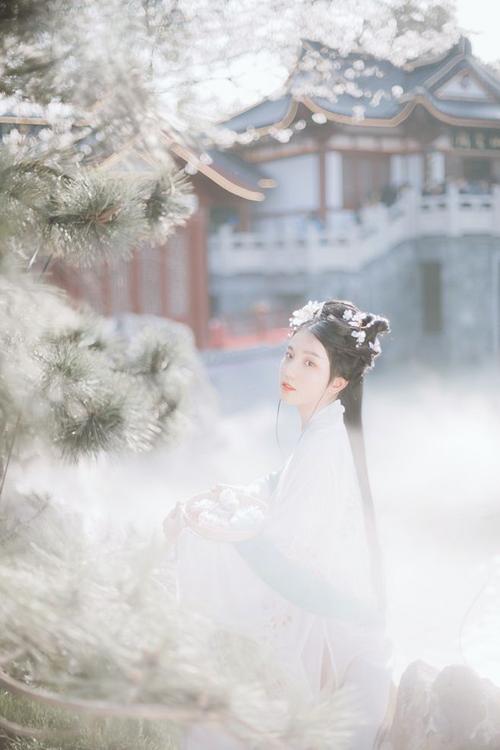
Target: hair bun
point(377, 323)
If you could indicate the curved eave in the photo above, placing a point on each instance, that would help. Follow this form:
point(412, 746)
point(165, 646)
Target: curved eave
point(27, 120)
point(114, 159)
point(16, 120)
point(366, 121)
point(383, 122)
point(285, 121)
point(437, 75)
point(222, 180)
point(267, 182)
point(482, 75)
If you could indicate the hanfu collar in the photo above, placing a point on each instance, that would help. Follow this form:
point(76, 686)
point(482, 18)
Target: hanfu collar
point(327, 414)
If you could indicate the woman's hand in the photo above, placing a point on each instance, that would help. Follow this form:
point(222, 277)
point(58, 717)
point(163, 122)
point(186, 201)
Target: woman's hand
point(173, 524)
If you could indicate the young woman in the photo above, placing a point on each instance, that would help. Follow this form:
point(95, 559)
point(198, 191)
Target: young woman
point(310, 583)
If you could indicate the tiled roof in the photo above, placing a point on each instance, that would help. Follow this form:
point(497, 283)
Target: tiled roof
point(419, 83)
point(228, 171)
point(261, 115)
point(246, 174)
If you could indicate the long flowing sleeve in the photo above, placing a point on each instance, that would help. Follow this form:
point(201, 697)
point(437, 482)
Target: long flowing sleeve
point(263, 487)
point(304, 588)
point(300, 585)
point(312, 549)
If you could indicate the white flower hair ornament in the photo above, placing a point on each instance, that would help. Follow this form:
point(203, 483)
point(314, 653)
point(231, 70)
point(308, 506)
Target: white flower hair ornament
point(305, 314)
point(353, 318)
point(313, 310)
point(360, 336)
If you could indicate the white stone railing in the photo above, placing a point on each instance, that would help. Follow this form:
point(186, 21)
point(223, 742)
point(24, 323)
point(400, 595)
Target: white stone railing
point(381, 228)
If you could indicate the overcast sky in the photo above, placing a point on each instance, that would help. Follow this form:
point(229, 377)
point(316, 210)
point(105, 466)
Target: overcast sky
point(483, 17)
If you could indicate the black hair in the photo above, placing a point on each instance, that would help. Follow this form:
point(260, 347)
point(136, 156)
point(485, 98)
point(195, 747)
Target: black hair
point(349, 337)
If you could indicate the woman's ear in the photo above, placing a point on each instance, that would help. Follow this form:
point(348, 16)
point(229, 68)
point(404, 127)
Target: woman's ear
point(338, 383)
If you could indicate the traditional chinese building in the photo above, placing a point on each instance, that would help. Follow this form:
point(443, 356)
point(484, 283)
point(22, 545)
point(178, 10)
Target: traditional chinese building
point(385, 192)
point(387, 195)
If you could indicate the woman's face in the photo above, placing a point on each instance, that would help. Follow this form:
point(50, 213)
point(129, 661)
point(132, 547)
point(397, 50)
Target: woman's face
point(305, 367)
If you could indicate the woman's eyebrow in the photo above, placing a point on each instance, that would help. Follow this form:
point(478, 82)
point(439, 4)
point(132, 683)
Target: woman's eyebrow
point(306, 351)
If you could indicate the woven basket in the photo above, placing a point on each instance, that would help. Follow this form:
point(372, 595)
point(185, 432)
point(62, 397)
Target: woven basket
point(225, 533)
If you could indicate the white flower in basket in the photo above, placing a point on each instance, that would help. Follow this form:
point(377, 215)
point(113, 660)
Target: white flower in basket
point(225, 515)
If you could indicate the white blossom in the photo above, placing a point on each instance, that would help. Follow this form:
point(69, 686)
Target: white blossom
point(228, 499)
point(247, 517)
point(353, 318)
point(306, 313)
point(360, 336)
point(203, 503)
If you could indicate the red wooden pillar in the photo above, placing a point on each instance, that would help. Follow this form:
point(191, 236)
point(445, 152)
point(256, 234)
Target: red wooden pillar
point(244, 216)
point(134, 282)
point(199, 307)
point(67, 278)
point(162, 270)
point(322, 182)
point(105, 285)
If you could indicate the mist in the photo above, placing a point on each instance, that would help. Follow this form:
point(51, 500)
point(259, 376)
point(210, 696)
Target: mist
point(432, 443)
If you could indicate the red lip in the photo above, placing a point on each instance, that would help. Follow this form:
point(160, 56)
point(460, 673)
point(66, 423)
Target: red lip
point(287, 387)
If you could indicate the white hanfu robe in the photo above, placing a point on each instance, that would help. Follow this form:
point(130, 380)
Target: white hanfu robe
point(292, 585)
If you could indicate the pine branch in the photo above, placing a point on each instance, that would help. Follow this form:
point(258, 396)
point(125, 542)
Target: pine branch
point(84, 392)
point(84, 215)
point(17, 730)
point(151, 711)
point(10, 448)
point(61, 729)
point(101, 636)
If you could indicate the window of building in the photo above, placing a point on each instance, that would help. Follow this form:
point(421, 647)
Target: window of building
point(214, 305)
point(220, 215)
point(477, 169)
point(432, 303)
point(364, 178)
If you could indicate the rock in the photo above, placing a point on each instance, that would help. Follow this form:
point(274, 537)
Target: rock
point(451, 709)
point(412, 707)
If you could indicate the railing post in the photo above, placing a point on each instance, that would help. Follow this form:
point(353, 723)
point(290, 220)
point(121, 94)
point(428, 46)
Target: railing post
point(496, 210)
point(411, 200)
point(453, 200)
point(220, 245)
point(311, 254)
